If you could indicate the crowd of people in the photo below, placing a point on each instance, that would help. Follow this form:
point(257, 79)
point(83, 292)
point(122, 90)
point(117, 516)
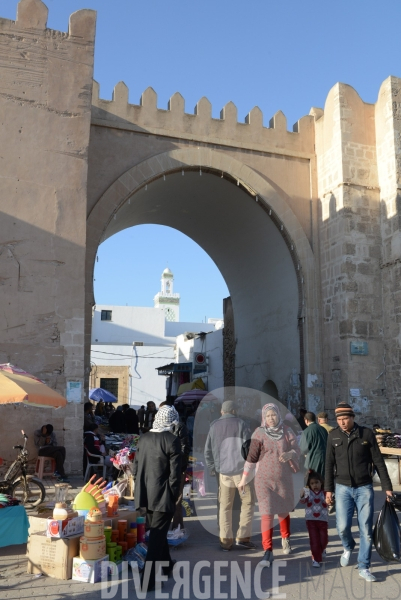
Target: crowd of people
point(338, 464)
point(249, 466)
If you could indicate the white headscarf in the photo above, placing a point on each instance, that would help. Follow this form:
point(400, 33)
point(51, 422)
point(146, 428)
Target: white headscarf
point(165, 419)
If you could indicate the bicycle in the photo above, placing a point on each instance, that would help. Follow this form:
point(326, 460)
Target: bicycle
point(27, 489)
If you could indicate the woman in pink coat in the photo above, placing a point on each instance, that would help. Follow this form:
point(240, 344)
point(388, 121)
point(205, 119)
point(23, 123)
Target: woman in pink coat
point(273, 445)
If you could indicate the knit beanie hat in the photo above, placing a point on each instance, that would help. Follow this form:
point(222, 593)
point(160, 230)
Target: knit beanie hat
point(344, 410)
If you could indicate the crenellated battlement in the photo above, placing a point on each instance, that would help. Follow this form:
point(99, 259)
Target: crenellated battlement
point(35, 58)
point(201, 126)
point(32, 19)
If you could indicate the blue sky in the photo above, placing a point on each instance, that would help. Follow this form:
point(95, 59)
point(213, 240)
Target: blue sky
point(279, 55)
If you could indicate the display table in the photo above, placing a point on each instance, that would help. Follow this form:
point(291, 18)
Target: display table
point(14, 526)
point(394, 452)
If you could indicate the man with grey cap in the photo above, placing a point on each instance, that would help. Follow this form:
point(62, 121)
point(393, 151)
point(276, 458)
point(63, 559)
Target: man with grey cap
point(223, 456)
point(352, 451)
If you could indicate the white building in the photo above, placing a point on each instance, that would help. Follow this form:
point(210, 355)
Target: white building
point(205, 352)
point(167, 299)
point(129, 343)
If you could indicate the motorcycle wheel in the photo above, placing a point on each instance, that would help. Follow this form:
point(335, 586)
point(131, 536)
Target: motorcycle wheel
point(29, 492)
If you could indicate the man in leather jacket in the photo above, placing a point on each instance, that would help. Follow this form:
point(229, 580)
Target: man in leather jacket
point(352, 451)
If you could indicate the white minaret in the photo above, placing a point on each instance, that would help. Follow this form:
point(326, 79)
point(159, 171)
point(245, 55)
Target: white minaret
point(166, 299)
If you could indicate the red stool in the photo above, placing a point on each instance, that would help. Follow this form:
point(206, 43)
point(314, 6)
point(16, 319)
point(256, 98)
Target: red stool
point(41, 464)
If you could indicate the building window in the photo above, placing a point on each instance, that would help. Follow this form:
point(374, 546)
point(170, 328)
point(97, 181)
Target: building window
point(110, 384)
point(105, 315)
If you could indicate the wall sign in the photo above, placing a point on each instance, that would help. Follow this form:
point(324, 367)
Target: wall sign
point(359, 348)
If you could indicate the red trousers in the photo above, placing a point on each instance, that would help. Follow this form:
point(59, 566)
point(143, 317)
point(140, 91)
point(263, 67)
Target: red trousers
point(267, 529)
point(318, 538)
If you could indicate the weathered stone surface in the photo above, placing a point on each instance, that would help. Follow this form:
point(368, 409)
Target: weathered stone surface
point(45, 100)
point(327, 193)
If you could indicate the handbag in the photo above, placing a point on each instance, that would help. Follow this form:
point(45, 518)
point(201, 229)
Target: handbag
point(293, 462)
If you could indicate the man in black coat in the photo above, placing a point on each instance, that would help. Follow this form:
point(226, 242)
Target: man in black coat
point(352, 451)
point(181, 431)
point(117, 421)
point(149, 416)
point(131, 421)
point(157, 474)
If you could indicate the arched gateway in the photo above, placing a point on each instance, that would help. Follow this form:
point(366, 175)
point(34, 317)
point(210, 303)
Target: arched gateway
point(303, 225)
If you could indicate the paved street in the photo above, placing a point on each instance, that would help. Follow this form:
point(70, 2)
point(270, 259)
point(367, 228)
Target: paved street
point(299, 580)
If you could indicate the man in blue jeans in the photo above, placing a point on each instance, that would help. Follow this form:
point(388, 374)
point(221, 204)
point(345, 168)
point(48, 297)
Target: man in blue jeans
point(352, 451)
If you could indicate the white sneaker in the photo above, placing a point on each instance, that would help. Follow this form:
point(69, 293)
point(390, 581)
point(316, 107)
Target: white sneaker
point(344, 560)
point(285, 542)
point(315, 564)
point(324, 553)
point(367, 575)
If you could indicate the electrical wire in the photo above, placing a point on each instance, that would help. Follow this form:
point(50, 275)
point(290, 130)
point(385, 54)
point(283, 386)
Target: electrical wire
point(130, 355)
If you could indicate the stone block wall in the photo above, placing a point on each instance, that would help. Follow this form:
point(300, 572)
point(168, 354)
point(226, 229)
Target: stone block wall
point(348, 256)
point(45, 102)
point(388, 132)
point(356, 162)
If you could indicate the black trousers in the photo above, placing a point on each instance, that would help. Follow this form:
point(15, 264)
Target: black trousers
point(178, 518)
point(158, 549)
point(56, 452)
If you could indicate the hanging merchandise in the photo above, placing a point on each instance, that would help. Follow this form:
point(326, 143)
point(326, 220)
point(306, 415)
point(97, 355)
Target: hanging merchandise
point(124, 457)
point(386, 534)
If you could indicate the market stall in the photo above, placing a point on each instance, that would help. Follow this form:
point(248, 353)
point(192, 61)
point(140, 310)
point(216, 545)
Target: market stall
point(123, 460)
point(390, 445)
point(396, 453)
point(14, 526)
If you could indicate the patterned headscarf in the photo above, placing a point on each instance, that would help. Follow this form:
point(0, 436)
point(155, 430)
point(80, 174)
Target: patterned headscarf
point(276, 432)
point(165, 418)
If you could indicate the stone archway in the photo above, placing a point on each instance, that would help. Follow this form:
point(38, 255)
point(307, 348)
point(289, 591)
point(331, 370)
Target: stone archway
point(265, 244)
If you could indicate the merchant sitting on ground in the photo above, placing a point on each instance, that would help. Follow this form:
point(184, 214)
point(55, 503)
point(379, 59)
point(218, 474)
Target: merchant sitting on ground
point(45, 440)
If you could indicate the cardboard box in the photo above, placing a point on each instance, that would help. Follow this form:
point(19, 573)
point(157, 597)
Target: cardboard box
point(66, 528)
point(52, 556)
point(115, 568)
point(37, 524)
point(88, 571)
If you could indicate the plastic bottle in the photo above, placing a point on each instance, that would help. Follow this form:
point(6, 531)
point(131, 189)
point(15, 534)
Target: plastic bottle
point(140, 526)
point(134, 532)
point(60, 512)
